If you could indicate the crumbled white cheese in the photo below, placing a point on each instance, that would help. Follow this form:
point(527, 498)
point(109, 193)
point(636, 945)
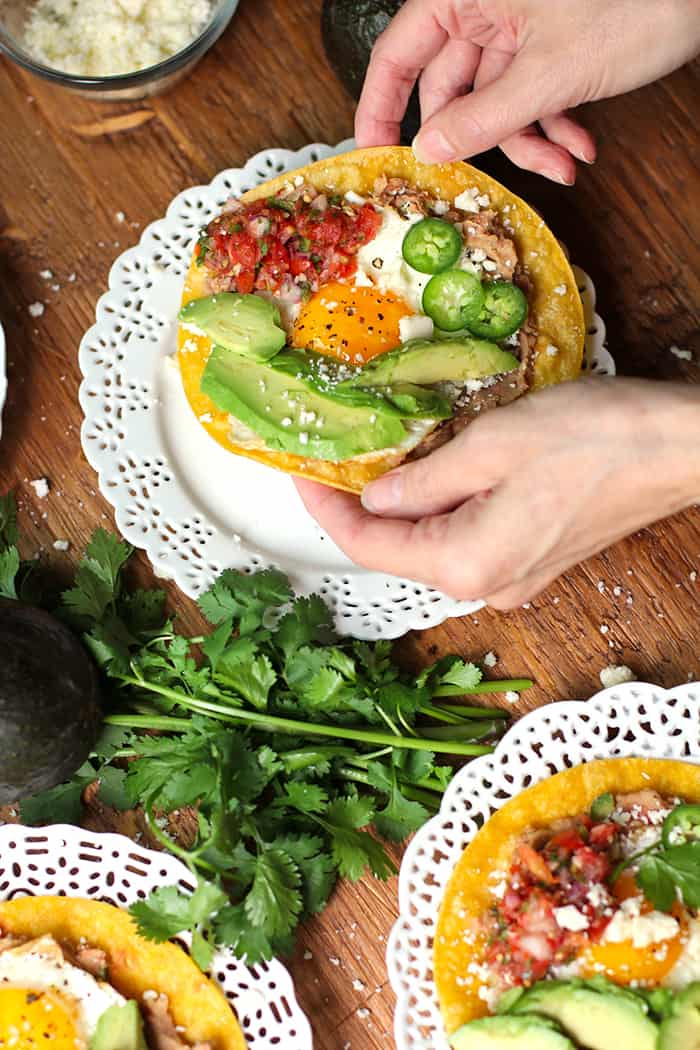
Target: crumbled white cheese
point(512, 697)
point(687, 966)
point(61, 545)
point(560, 289)
point(616, 674)
point(570, 918)
point(628, 924)
point(41, 487)
point(120, 217)
point(598, 895)
point(206, 417)
point(415, 327)
point(440, 207)
point(354, 198)
point(114, 36)
point(46, 275)
point(682, 355)
point(36, 309)
point(466, 201)
point(552, 350)
point(490, 660)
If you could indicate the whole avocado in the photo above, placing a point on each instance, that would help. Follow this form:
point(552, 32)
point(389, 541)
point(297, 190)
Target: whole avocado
point(49, 701)
point(349, 29)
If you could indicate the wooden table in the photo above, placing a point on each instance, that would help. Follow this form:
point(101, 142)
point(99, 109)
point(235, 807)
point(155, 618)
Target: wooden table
point(66, 171)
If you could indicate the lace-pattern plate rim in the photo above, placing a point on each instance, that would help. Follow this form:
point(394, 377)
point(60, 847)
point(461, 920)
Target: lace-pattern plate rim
point(635, 719)
point(69, 861)
point(142, 445)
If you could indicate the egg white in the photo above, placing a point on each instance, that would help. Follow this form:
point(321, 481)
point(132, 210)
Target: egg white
point(40, 966)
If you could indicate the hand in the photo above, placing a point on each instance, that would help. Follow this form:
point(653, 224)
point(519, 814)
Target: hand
point(527, 490)
point(526, 61)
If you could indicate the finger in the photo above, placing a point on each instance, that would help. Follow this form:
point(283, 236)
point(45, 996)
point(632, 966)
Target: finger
point(493, 113)
point(571, 135)
point(413, 38)
point(530, 151)
point(448, 75)
point(526, 147)
point(413, 550)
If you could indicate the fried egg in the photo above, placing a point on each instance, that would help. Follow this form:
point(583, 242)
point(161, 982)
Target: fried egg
point(349, 322)
point(40, 993)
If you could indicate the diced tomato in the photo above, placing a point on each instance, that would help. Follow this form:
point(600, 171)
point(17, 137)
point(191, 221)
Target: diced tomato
point(535, 864)
point(569, 840)
point(594, 867)
point(602, 835)
point(243, 249)
point(245, 282)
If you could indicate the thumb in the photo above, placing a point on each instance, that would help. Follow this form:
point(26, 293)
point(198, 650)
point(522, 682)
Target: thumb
point(433, 485)
point(528, 89)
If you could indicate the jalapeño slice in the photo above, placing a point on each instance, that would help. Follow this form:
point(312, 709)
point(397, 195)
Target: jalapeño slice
point(453, 299)
point(681, 826)
point(431, 246)
point(504, 310)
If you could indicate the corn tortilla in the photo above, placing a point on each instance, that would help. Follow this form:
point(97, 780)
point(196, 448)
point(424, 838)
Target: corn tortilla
point(555, 308)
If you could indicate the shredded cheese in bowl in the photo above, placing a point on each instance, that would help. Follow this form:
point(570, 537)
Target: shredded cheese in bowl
point(112, 37)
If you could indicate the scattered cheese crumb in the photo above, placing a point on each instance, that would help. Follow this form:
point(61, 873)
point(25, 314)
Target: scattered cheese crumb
point(604, 628)
point(552, 350)
point(616, 674)
point(334, 960)
point(560, 289)
point(120, 216)
point(41, 487)
point(61, 545)
point(308, 955)
point(512, 697)
point(490, 660)
point(206, 417)
point(570, 918)
point(36, 309)
point(683, 355)
point(358, 985)
point(46, 275)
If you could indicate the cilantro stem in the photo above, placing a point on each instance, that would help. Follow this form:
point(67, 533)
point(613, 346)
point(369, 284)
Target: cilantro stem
point(189, 857)
point(415, 794)
point(626, 862)
point(472, 712)
point(507, 685)
point(283, 725)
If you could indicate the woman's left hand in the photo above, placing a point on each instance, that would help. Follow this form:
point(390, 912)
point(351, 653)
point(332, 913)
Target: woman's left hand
point(526, 491)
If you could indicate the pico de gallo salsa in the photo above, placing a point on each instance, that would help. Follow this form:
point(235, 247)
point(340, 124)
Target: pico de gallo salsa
point(286, 244)
point(561, 891)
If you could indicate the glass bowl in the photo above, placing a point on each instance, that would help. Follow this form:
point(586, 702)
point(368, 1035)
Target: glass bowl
point(143, 82)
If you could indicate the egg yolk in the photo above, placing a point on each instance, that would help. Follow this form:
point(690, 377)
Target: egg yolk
point(352, 324)
point(621, 962)
point(29, 1020)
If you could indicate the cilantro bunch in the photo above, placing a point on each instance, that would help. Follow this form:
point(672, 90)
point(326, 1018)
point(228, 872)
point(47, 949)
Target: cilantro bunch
point(292, 751)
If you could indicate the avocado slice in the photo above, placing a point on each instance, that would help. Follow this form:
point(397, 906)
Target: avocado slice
point(426, 361)
point(595, 1020)
point(291, 416)
point(507, 1032)
point(681, 1029)
point(120, 1028)
point(326, 376)
point(246, 324)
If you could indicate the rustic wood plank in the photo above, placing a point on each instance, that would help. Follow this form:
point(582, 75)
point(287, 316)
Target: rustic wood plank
point(70, 165)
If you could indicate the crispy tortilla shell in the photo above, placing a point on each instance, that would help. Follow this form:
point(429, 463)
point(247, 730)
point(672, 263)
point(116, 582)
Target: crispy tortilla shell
point(135, 965)
point(555, 309)
point(468, 895)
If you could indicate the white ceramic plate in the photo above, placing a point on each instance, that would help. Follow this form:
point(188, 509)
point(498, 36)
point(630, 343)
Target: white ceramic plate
point(66, 860)
point(193, 507)
point(627, 720)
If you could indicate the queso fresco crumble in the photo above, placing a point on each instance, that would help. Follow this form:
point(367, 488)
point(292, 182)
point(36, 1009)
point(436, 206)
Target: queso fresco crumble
point(110, 37)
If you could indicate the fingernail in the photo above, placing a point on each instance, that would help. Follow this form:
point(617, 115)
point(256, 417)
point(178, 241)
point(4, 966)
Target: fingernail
point(383, 494)
point(556, 176)
point(431, 147)
point(587, 158)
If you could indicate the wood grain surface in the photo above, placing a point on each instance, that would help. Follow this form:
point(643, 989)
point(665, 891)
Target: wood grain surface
point(71, 169)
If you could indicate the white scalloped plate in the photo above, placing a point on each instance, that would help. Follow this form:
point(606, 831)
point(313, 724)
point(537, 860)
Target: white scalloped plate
point(193, 507)
point(69, 861)
point(632, 719)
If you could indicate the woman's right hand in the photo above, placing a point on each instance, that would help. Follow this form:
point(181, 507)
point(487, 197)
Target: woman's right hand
point(491, 70)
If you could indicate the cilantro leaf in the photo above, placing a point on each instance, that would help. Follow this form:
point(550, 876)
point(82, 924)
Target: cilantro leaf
point(61, 804)
point(143, 612)
point(308, 621)
point(9, 567)
point(274, 901)
point(250, 676)
point(167, 911)
point(462, 675)
point(677, 867)
point(171, 772)
point(233, 928)
point(317, 868)
point(654, 878)
point(215, 643)
point(354, 850)
point(245, 598)
point(308, 798)
point(112, 791)
point(400, 817)
point(414, 765)
point(201, 950)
